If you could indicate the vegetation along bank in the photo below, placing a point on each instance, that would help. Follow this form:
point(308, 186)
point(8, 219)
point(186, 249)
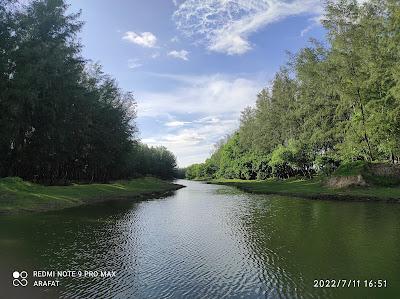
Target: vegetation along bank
point(333, 108)
point(18, 196)
point(63, 121)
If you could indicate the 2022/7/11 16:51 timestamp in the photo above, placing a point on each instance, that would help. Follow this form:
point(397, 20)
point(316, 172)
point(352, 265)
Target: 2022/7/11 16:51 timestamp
point(350, 283)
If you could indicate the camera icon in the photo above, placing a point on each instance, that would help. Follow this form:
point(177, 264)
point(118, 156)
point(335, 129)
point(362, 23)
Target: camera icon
point(20, 279)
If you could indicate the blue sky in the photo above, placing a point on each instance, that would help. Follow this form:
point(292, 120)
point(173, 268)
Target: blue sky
point(194, 65)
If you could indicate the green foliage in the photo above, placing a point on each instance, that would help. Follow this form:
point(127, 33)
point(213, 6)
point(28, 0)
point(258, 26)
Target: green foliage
point(326, 165)
point(194, 171)
point(209, 169)
point(281, 159)
point(144, 160)
point(262, 168)
point(180, 173)
point(331, 104)
point(230, 164)
point(62, 119)
point(291, 160)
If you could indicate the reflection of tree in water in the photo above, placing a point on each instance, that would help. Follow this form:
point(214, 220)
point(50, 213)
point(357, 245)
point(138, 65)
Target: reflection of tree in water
point(294, 241)
point(214, 243)
point(104, 240)
point(83, 238)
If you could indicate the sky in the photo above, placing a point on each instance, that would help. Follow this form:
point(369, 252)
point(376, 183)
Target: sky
point(194, 65)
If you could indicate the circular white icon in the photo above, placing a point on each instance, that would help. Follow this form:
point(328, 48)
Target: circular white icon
point(20, 278)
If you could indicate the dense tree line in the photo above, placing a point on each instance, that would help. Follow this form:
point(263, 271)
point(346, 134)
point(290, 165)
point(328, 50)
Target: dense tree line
point(332, 103)
point(61, 118)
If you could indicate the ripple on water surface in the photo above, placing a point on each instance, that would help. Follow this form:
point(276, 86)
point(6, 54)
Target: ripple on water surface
point(208, 241)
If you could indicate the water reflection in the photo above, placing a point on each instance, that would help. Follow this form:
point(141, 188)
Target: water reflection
point(300, 240)
point(208, 241)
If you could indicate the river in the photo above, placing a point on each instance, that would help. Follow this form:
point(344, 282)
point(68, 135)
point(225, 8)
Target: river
point(206, 241)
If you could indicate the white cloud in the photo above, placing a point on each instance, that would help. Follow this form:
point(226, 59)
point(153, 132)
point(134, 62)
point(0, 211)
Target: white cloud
point(182, 54)
point(314, 22)
point(212, 103)
point(210, 95)
point(134, 63)
point(176, 123)
point(155, 55)
point(144, 39)
point(208, 120)
point(195, 144)
point(175, 39)
point(225, 25)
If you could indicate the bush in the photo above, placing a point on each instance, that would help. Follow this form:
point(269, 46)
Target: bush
point(326, 165)
point(262, 169)
point(280, 161)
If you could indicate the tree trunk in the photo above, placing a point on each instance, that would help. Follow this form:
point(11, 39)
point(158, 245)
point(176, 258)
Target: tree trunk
point(364, 126)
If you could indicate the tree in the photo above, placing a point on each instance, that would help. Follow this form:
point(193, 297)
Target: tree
point(61, 118)
point(331, 104)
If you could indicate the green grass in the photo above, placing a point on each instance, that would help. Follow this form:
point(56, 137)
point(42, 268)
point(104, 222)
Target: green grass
point(17, 195)
point(314, 189)
point(351, 169)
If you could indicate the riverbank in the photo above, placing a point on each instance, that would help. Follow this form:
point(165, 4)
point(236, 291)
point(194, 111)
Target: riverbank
point(18, 196)
point(314, 189)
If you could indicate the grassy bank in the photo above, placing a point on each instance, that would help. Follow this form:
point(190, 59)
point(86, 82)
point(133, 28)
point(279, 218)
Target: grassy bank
point(18, 196)
point(314, 189)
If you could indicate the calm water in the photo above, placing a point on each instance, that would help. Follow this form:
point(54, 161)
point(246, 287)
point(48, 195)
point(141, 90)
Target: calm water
point(207, 241)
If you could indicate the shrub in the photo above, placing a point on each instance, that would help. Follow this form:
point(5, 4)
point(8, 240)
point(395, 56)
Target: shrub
point(326, 165)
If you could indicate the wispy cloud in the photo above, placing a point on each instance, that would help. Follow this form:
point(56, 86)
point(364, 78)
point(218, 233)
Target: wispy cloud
point(182, 54)
point(144, 39)
point(225, 25)
point(175, 39)
point(134, 63)
point(176, 123)
point(208, 120)
point(314, 22)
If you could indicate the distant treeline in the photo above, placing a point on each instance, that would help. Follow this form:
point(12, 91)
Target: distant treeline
point(61, 118)
point(333, 103)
